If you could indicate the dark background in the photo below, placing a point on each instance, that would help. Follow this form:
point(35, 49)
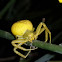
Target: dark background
point(33, 10)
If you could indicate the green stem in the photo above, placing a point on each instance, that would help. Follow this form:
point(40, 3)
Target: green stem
point(48, 46)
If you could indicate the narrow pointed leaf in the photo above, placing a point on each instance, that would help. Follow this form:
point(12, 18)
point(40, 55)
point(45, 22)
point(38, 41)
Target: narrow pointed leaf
point(6, 35)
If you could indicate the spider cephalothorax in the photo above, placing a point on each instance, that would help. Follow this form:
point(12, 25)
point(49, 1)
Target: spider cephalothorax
point(24, 32)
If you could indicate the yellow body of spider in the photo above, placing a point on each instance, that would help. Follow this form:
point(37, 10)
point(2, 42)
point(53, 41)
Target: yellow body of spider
point(24, 32)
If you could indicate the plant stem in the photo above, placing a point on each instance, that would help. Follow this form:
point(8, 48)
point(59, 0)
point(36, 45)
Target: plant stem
point(47, 46)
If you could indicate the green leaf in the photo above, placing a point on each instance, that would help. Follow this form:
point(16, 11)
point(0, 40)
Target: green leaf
point(6, 35)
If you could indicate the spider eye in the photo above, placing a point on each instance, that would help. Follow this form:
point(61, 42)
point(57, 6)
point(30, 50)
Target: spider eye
point(17, 37)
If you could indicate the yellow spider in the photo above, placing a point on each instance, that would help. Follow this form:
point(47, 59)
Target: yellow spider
point(24, 32)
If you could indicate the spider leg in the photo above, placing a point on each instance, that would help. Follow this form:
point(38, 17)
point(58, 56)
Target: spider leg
point(20, 54)
point(47, 31)
point(21, 43)
point(40, 29)
point(33, 46)
point(46, 36)
point(17, 45)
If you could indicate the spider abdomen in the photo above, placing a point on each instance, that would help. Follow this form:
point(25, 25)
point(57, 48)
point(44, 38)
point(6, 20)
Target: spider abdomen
point(20, 27)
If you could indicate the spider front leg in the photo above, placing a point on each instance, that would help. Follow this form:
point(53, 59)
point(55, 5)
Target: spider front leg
point(41, 27)
point(20, 54)
point(17, 45)
point(21, 42)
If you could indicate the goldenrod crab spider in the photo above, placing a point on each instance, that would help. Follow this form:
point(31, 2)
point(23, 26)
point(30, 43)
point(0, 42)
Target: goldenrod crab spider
point(24, 32)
